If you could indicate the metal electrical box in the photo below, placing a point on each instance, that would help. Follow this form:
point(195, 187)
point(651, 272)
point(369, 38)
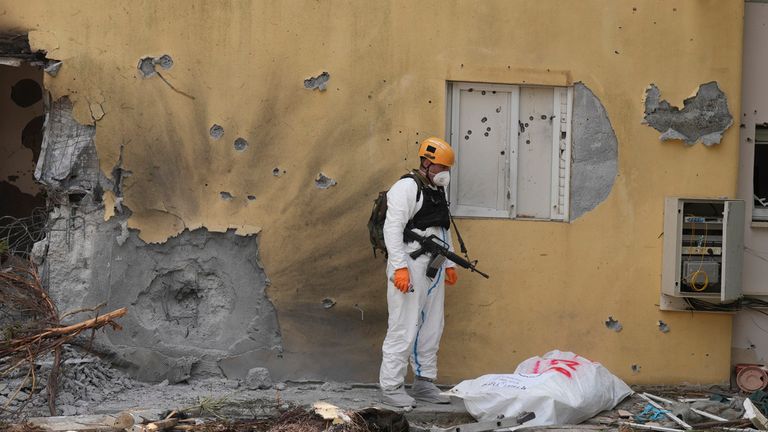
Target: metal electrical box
point(703, 250)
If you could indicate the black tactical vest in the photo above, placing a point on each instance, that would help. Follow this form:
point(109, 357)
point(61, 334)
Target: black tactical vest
point(434, 210)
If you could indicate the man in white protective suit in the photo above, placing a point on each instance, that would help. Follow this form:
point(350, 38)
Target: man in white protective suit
point(415, 302)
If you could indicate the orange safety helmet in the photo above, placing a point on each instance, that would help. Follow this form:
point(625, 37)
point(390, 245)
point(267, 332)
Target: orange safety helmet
point(436, 150)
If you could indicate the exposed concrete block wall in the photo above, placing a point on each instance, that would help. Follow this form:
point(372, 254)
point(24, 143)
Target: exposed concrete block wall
point(157, 78)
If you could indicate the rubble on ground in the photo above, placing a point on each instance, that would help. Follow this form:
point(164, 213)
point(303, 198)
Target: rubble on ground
point(229, 405)
point(84, 379)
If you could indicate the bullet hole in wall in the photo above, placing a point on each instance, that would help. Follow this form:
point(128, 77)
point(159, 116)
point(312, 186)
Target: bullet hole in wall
point(147, 64)
point(216, 131)
point(663, 327)
point(324, 182)
point(240, 144)
point(613, 324)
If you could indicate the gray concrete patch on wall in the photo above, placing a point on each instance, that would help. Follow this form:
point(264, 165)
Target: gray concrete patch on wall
point(594, 152)
point(192, 301)
point(704, 117)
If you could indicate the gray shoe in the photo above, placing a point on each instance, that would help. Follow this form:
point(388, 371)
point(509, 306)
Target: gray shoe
point(397, 397)
point(425, 390)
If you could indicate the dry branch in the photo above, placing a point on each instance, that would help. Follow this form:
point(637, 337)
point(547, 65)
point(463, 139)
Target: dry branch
point(37, 330)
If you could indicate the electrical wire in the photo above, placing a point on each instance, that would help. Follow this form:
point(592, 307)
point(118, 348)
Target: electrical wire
point(692, 278)
point(749, 303)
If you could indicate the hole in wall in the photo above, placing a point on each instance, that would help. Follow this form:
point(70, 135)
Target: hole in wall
point(26, 92)
point(21, 102)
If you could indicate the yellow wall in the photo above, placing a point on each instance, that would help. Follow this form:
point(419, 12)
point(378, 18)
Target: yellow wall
point(244, 63)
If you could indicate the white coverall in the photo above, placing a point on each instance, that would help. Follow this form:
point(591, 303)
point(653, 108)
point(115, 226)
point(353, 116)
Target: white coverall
point(415, 318)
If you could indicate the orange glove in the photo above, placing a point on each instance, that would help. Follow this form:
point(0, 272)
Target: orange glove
point(450, 276)
point(402, 279)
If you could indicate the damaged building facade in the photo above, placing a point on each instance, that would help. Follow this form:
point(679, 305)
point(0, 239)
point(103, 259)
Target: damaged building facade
point(211, 166)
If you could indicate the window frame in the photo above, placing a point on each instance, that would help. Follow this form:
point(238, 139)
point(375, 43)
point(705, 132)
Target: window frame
point(759, 214)
point(562, 100)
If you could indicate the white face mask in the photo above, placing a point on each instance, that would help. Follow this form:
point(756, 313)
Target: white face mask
point(442, 178)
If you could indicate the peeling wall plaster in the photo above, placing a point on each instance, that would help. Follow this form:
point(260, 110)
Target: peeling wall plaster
point(704, 117)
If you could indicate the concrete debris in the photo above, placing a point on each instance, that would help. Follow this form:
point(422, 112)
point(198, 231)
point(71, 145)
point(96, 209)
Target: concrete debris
point(189, 399)
point(704, 117)
point(650, 427)
point(594, 153)
point(665, 412)
point(324, 182)
point(613, 324)
point(84, 380)
point(85, 423)
point(319, 82)
point(258, 378)
point(330, 412)
point(753, 414)
point(53, 68)
point(216, 131)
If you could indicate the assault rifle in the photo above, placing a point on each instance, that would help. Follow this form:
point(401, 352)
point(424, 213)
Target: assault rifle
point(439, 251)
